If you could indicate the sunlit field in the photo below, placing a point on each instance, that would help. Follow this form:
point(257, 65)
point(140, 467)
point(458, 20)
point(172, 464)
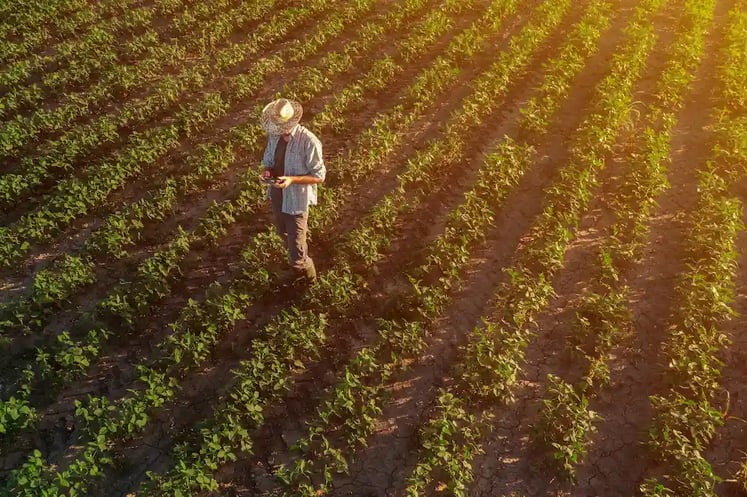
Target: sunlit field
point(530, 248)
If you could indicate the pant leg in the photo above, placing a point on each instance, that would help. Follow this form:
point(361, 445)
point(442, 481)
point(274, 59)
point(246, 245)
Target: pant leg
point(298, 251)
point(276, 199)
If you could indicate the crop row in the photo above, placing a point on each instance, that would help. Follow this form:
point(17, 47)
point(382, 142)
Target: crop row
point(492, 359)
point(74, 62)
point(602, 315)
point(133, 299)
point(65, 18)
point(102, 50)
point(155, 275)
point(65, 152)
point(16, 15)
point(687, 417)
point(540, 109)
point(15, 75)
point(146, 72)
point(197, 330)
point(356, 401)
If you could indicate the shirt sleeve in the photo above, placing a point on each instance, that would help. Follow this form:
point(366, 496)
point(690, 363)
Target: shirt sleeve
point(314, 159)
point(268, 159)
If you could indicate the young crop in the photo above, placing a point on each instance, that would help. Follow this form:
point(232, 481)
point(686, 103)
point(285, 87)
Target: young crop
point(80, 45)
point(64, 19)
point(566, 422)
point(576, 51)
point(51, 287)
point(602, 315)
point(121, 121)
point(341, 279)
point(403, 340)
point(686, 417)
point(367, 375)
point(741, 476)
point(453, 431)
point(19, 132)
point(493, 356)
point(96, 52)
point(77, 196)
point(119, 230)
point(18, 17)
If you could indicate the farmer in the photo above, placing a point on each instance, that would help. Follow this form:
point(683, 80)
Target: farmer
point(294, 157)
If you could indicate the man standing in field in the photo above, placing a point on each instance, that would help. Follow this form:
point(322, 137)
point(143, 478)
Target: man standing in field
point(293, 167)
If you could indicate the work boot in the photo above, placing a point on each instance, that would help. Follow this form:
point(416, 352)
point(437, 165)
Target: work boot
point(300, 277)
point(310, 271)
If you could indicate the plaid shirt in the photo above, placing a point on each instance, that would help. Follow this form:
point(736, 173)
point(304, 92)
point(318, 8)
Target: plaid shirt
point(303, 157)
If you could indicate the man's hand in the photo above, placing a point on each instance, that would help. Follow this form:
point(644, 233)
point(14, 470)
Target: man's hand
point(283, 181)
point(266, 173)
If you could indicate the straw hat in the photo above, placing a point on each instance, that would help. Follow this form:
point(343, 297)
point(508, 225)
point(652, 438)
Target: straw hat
point(279, 116)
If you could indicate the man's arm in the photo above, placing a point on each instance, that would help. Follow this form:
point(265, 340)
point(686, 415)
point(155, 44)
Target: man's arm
point(301, 180)
point(267, 160)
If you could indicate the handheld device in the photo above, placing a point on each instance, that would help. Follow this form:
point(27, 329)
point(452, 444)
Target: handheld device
point(271, 180)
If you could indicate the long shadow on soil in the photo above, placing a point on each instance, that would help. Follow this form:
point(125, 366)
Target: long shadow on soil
point(416, 391)
point(638, 371)
point(385, 298)
point(513, 463)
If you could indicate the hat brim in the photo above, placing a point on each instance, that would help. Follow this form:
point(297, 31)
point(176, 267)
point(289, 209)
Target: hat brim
point(273, 125)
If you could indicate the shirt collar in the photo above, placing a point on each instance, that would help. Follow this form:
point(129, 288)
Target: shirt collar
point(294, 132)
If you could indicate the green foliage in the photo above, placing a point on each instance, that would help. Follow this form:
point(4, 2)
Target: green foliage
point(566, 422)
point(686, 417)
point(493, 357)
